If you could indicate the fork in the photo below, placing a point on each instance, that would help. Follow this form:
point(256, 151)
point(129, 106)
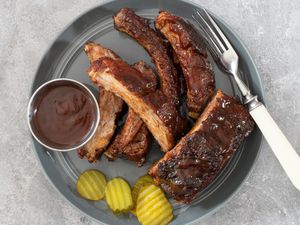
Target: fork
point(223, 52)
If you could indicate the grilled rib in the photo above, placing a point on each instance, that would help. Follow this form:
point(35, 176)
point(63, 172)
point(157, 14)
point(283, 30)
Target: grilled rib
point(193, 61)
point(110, 105)
point(200, 156)
point(133, 141)
point(133, 145)
point(137, 27)
point(158, 113)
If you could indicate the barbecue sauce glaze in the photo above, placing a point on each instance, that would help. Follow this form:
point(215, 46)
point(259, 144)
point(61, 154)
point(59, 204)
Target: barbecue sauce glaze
point(201, 155)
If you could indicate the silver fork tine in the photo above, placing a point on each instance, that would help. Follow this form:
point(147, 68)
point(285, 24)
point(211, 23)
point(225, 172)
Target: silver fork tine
point(218, 30)
point(213, 34)
point(215, 50)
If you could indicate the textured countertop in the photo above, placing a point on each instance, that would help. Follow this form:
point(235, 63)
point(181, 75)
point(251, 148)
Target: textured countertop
point(269, 28)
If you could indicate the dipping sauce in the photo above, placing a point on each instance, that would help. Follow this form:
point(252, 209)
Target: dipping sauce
point(64, 115)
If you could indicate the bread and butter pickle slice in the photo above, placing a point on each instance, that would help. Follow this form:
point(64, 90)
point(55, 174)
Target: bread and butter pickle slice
point(118, 195)
point(153, 208)
point(91, 185)
point(138, 184)
point(141, 181)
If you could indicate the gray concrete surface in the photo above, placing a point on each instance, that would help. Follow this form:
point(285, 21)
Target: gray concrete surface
point(269, 28)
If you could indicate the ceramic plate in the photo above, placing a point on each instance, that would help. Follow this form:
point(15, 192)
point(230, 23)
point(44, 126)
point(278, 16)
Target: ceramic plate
point(65, 58)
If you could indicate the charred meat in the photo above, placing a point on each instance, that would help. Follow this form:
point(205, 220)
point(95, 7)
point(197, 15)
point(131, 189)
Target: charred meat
point(155, 109)
point(193, 61)
point(138, 28)
point(200, 155)
point(133, 141)
point(110, 105)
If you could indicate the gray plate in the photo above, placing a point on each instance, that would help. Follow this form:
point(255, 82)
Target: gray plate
point(65, 58)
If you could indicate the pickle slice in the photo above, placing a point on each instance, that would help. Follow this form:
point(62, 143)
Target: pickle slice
point(153, 208)
point(91, 185)
point(118, 195)
point(138, 184)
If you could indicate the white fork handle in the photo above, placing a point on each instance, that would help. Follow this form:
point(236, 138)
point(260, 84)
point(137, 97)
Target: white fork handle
point(283, 150)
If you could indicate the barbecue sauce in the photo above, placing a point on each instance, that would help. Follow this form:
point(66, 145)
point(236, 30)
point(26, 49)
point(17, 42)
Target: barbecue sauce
point(202, 154)
point(64, 115)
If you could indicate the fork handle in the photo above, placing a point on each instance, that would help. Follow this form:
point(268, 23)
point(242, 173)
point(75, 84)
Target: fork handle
point(283, 150)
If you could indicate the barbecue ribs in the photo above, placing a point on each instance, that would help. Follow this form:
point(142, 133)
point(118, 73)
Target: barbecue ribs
point(137, 90)
point(193, 61)
point(133, 145)
point(110, 105)
point(138, 28)
point(200, 155)
point(133, 141)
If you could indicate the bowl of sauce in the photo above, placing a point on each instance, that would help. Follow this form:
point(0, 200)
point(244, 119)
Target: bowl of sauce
point(63, 114)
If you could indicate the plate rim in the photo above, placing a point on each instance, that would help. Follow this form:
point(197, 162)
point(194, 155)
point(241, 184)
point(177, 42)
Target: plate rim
point(259, 81)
